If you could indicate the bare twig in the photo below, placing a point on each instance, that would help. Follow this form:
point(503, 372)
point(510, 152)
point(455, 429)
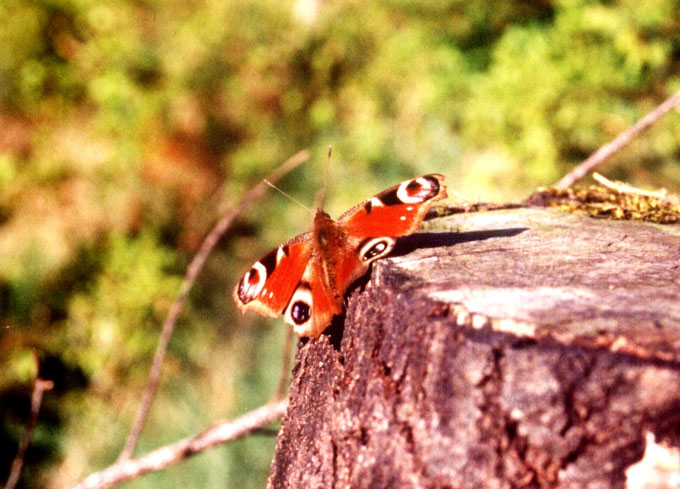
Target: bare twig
point(39, 387)
point(163, 457)
point(661, 195)
point(622, 140)
point(624, 188)
point(192, 273)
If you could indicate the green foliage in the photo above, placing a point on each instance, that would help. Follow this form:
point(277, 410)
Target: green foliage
point(115, 321)
point(129, 126)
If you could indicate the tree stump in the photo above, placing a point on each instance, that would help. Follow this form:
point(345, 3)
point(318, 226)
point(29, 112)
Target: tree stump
point(513, 348)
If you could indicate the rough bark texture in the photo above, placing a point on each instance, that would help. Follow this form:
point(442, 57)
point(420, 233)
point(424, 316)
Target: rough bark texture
point(516, 348)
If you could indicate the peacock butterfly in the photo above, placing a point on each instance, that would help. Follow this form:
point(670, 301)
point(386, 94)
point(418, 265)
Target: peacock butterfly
point(306, 277)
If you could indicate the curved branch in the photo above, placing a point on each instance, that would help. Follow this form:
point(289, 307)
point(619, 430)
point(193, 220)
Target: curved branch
point(192, 273)
point(163, 457)
point(39, 387)
point(621, 141)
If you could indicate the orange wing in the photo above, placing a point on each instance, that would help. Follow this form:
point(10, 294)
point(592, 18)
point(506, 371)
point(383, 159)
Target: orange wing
point(269, 284)
point(397, 211)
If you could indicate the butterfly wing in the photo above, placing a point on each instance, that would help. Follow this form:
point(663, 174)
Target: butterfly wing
point(289, 280)
point(270, 283)
point(372, 226)
point(397, 211)
point(313, 303)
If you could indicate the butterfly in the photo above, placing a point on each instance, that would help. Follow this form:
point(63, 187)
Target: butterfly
point(306, 278)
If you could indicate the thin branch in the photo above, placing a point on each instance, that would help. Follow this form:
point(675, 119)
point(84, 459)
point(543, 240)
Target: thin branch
point(39, 387)
point(125, 470)
point(624, 188)
point(622, 140)
point(192, 273)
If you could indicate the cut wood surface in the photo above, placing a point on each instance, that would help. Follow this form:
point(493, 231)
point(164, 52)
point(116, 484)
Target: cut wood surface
point(501, 349)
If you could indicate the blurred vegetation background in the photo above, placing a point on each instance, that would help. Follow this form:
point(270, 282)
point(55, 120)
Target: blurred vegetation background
point(127, 127)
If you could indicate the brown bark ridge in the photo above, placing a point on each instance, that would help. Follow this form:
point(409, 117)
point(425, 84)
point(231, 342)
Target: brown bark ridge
point(501, 349)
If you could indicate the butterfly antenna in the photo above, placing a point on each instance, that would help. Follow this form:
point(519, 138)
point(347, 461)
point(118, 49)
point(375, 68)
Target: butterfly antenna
point(328, 165)
point(287, 195)
point(321, 194)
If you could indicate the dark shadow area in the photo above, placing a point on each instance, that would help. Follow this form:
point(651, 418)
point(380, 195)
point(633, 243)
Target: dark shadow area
point(15, 408)
point(407, 244)
point(404, 246)
point(336, 329)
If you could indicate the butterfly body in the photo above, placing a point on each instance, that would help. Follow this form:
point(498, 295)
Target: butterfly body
point(305, 278)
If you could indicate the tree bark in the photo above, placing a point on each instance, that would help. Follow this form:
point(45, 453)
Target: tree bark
point(513, 348)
